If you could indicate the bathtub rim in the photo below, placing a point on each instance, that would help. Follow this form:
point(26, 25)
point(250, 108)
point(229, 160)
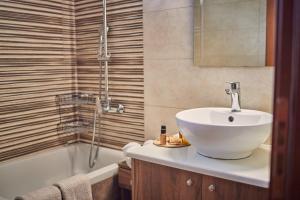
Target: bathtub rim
point(49, 150)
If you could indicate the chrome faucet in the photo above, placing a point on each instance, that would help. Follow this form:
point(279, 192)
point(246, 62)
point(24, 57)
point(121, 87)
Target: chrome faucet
point(108, 108)
point(235, 92)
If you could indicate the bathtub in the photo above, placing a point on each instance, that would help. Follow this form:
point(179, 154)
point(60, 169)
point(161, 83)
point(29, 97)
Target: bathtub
point(29, 173)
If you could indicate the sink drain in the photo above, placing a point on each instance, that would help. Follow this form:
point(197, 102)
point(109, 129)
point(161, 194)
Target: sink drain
point(230, 119)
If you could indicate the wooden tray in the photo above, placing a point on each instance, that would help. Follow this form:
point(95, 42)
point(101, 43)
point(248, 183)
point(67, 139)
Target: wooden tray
point(168, 145)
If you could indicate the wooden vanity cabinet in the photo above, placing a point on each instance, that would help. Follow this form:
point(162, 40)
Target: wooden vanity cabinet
point(157, 182)
point(216, 188)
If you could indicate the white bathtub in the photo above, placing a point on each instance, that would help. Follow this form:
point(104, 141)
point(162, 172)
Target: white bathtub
point(26, 174)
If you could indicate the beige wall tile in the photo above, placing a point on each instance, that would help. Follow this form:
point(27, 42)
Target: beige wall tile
point(168, 34)
point(179, 84)
point(154, 5)
point(155, 117)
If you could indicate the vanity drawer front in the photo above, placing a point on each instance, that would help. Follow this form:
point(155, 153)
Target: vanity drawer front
point(152, 181)
point(220, 189)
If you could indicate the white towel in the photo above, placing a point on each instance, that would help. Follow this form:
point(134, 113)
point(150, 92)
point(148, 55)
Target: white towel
point(46, 193)
point(77, 187)
point(125, 149)
point(148, 142)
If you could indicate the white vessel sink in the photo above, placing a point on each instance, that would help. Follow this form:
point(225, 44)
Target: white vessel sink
point(220, 133)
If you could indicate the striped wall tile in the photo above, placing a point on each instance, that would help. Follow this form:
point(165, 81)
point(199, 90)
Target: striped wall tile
point(37, 62)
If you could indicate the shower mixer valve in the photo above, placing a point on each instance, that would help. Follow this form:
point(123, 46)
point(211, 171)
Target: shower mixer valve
point(108, 108)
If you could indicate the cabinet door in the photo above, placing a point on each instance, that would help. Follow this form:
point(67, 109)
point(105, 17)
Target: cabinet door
point(220, 189)
point(157, 182)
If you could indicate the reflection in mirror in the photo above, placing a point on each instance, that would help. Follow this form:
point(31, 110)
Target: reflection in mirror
point(234, 32)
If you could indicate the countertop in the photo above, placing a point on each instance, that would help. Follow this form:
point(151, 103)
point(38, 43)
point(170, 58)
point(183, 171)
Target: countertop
point(254, 170)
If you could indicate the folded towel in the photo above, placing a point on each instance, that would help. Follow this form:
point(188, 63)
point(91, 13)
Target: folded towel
point(46, 193)
point(75, 188)
point(125, 149)
point(148, 142)
point(130, 145)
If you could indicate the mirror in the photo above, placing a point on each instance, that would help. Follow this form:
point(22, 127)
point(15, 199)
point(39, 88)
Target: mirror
point(234, 32)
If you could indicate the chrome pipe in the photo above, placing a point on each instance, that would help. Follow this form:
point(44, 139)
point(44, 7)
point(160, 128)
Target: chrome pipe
point(105, 30)
point(103, 58)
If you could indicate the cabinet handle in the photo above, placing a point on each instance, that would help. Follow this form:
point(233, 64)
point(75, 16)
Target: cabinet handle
point(189, 182)
point(211, 188)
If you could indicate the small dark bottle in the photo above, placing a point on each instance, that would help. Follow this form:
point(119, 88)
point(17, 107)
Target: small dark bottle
point(163, 135)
